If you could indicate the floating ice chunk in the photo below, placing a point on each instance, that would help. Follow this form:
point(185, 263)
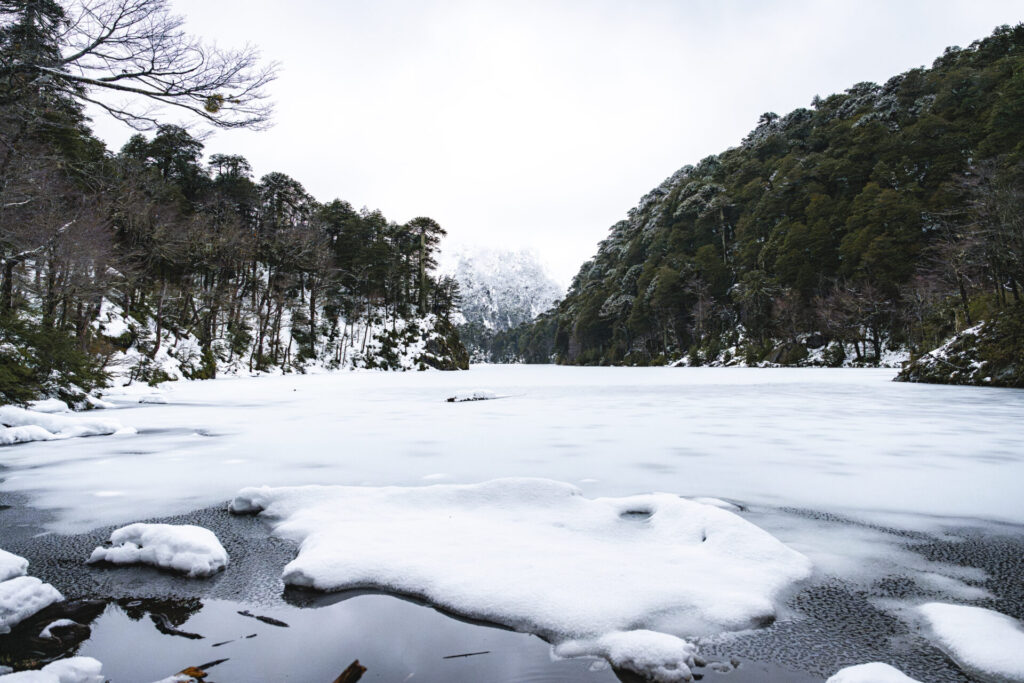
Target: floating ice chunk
point(71, 670)
point(477, 395)
point(23, 596)
point(12, 565)
point(657, 656)
point(50, 405)
point(184, 548)
point(536, 555)
point(980, 640)
point(875, 672)
point(56, 426)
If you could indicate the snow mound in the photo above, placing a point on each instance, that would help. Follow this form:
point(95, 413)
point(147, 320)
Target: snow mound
point(534, 554)
point(23, 425)
point(979, 640)
point(71, 670)
point(184, 548)
point(50, 405)
point(656, 656)
point(478, 395)
point(12, 565)
point(156, 399)
point(875, 672)
point(23, 596)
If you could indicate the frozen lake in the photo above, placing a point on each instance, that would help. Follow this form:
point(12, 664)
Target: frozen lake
point(897, 493)
point(840, 440)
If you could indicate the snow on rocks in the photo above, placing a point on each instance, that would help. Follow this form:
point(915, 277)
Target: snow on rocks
point(184, 548)
point(12, 565)
point(535, 555)
point(59, 623)
point(656, 656)
point(71, 670)
point(875, 672)
point(21, 425)
point(979, 640)
point(477, 395)
point(23, 596)
point(192, 550)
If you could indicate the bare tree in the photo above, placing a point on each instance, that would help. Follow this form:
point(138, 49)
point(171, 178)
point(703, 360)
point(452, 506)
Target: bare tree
point(131, 58)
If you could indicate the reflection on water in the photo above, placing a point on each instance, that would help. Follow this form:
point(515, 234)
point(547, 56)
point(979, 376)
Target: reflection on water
point(313, 638)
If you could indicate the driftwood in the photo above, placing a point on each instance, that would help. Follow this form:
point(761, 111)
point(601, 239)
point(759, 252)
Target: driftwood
point(352, 674)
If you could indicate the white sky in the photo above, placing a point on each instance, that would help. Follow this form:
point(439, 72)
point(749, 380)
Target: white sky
point(540, 123)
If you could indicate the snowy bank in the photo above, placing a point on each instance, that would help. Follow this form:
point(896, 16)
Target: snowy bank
point(875, 672)
point(979, 640)
point(23, 596)
point(183, 548)
point(71, 670)
point(535, 555)
point(21, 425)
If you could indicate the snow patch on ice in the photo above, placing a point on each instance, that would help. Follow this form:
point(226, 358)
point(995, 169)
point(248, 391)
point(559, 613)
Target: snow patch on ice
point(875, 672)
point(12, 565)
point(656, 656)
point(23, 596)
point(184, 548)
point(980, 640)
point(71, 670)
point(534, 554)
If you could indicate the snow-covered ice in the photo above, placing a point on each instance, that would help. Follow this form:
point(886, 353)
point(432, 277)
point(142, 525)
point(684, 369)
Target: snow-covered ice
point(979, 640)
point(804, 437)
point(24, 425)
point(12, 565)
point(183, 548)
point(537, 555)
point(23, 596)
point(658, 656)
point(874, 672)
point(70, 670)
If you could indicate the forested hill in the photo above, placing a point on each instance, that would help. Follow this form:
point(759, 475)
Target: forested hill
point(154, 263)
point(886, 217)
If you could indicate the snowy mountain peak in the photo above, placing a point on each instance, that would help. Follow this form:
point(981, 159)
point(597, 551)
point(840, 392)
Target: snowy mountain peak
point(503, 288)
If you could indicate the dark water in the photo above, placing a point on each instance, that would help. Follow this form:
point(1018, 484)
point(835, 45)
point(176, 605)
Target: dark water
point(145, 624)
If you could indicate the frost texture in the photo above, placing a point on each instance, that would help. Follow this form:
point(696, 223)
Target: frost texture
point(535, 555)
point(184, 548)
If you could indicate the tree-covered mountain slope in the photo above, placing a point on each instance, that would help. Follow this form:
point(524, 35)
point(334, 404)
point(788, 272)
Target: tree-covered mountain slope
point(887, 217)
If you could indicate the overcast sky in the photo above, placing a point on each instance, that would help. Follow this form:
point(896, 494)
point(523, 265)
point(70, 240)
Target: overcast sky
point(539, 124)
